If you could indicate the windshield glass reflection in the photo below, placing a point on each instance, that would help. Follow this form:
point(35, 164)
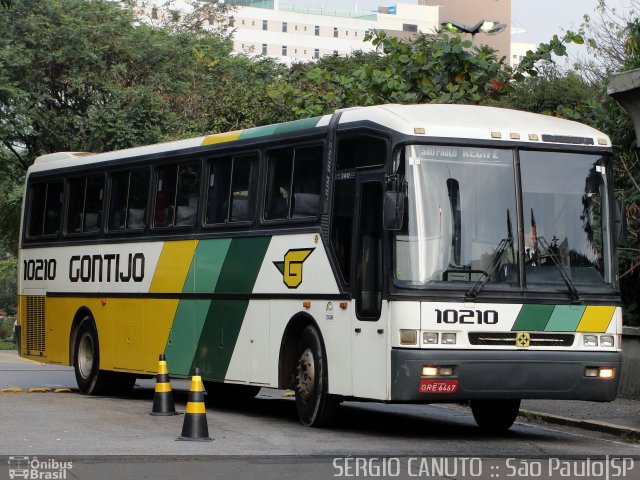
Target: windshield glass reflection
point(460, 216)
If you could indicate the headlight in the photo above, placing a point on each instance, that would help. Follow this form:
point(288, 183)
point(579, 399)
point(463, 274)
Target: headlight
point(590, 341)
point(448, 338)
point(429, 338)
point(606, 341)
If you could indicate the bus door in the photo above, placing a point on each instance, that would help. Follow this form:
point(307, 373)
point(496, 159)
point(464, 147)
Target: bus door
point(368, 335)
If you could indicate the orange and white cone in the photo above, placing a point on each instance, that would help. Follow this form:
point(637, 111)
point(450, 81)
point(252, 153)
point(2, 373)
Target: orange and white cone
point(195, 426)
point(163, 398)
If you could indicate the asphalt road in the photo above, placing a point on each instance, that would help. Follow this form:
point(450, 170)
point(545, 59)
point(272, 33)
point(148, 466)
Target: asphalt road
point(262, 438)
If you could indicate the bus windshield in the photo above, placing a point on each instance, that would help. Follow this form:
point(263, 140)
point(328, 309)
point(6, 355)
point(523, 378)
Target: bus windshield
point(461, 223)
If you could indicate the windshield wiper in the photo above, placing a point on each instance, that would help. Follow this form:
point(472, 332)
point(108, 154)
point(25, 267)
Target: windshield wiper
point(497, 258)
point(549, 252)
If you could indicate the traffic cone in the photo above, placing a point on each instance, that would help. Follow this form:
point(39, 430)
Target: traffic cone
point(163, 398)
point(195, 418)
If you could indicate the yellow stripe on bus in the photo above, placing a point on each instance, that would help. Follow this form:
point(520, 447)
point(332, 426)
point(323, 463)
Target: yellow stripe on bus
point(173, 266)
point(596, 319)
point(222, 137)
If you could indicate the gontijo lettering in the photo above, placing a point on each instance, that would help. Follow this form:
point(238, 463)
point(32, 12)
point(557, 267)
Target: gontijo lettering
point(109, 268)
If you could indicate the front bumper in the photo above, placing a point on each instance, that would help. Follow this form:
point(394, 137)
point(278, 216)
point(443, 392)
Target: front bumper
point(482, 374)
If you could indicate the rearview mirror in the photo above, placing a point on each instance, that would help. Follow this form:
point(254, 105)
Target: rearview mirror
point(393, 210)
point(620, 222)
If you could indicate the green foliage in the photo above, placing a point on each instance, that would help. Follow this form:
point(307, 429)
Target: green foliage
point(84, 75)
point(8, 285)
point(428, 69)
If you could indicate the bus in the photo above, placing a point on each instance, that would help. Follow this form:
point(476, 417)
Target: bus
point(392, 253)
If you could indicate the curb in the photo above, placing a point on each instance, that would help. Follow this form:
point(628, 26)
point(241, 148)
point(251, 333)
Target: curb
point(628, 433)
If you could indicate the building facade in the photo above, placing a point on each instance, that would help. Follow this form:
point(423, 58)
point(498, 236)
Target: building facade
point(293, 34)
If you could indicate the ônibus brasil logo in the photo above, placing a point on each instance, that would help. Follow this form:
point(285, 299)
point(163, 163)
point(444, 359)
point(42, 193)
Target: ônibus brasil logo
point(291, 267)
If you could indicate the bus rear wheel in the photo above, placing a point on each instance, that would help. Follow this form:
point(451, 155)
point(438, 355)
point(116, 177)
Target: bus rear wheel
point(91, 380)
point(495, 415)
point(315, 406)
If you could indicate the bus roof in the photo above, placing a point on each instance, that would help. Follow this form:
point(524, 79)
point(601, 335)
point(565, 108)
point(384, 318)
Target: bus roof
point(424, 120)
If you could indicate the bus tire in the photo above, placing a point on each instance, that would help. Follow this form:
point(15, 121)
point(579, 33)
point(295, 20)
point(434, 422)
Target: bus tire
point(495, 415)
point(315, 406)
point(91, 380)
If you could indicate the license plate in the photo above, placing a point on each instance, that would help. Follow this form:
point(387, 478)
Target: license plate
point(438, 386)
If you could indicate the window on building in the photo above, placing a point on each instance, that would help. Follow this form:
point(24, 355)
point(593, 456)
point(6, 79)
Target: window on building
point(294, 177)
point(232, 21)
point(265, 25)
point(335, 32)
point(316, 53)
point(264, 49)
point(317, 30)
point(409, 27)
point(284, 27)
point(284, 50)
point(154, 13)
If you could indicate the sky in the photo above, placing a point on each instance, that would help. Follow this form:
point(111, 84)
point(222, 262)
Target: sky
point(541, 19)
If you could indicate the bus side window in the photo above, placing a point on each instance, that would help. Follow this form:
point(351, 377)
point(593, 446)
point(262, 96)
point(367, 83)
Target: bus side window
point(128, 200)
point(369, 256)
point(307, 178)
point(187, 195)
point(84, 214)
point(53, 208)
point(37, 209)
point(165, 195)
point(118, 200)
point(293, 183)
point(362, 151)
point(137, 202)
point(242, 190)
point(279, 172)
point(45, 209)
point(231, 192)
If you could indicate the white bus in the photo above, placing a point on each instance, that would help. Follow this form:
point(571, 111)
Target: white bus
point(396, 253)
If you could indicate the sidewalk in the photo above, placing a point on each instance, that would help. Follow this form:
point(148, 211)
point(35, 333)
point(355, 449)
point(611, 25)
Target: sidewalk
point(620, 417)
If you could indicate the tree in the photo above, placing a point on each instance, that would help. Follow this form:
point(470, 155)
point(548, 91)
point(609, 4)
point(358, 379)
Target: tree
point(427, 69)
point(86, 75)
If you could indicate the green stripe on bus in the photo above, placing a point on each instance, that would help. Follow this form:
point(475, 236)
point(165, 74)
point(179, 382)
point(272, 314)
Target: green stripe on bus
point(533, 317)
point(242, 264)
point(565, 318)
point(288, 127)
point(184, 335)
point(203, 275)
point(207, 265)
point(224, 318)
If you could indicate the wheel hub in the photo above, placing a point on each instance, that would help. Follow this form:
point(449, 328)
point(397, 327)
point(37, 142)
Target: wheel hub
point(85, 356)
point(306, 374)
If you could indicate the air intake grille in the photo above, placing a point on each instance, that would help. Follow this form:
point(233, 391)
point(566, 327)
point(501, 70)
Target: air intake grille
point(508, 339)
point(35, 332)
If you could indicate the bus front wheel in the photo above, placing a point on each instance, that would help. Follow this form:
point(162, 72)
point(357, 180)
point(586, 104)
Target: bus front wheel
point(315, 406)
point(91, 380)
point(495, 415)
